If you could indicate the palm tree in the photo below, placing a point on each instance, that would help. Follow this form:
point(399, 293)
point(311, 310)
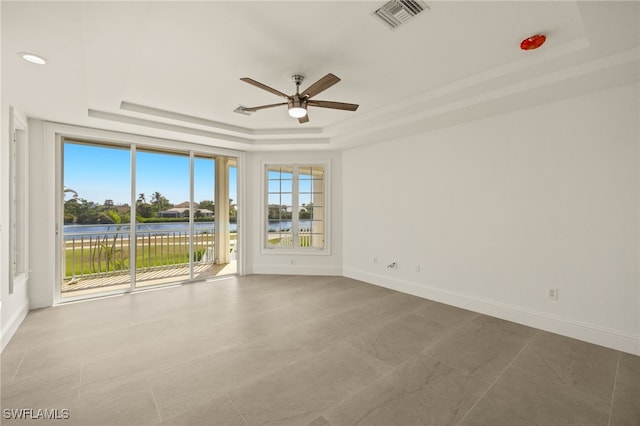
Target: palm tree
point(74, 192)
point(143, 209)
point(159, 202)
point(156, 197)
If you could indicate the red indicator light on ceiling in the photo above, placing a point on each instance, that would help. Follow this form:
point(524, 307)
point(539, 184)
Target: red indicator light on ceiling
point(533, 42)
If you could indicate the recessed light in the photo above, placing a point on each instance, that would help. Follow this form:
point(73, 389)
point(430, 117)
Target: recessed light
point(34, 59)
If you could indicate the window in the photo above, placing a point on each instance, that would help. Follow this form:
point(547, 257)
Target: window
point(18, 211)
point(295, 207)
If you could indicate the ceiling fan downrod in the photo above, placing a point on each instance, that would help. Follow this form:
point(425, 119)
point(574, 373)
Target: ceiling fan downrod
point(297, 79)
point(297, 104)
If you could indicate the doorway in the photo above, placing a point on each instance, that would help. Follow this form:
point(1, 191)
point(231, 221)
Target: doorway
point(139, 217)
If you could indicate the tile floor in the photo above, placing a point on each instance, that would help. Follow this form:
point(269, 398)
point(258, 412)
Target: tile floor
point(298, 350)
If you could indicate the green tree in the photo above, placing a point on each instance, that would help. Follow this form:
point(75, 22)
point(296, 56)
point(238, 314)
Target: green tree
point(144, 210)
point(277, 211)
point(274, 211)
point(81, 211)
point(115, 216)
point(233, 212)
point(207, 204)
point(306, 212)
point(159, 202)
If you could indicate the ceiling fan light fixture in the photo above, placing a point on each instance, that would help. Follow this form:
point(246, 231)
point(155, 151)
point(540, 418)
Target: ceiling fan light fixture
point(297, 112)
point(297, 108)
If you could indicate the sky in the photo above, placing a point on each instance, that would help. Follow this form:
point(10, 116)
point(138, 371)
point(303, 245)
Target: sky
point(103, 173)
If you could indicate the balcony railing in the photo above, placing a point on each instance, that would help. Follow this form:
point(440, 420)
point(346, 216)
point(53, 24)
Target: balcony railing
point(90, 254)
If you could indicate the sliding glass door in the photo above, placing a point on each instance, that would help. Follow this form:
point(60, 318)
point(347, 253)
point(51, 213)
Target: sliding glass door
point(203, 217)
point(163, 211)
point(97, 219)
point(136, 217)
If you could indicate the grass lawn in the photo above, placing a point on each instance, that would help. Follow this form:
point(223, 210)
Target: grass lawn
point(153, 251)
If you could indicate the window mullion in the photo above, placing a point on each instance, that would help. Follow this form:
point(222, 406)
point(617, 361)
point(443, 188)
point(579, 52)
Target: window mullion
point(295, 223)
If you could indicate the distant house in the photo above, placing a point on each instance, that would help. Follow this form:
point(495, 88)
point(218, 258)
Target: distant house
point(205, 212)
point(123, 209)
point(178, 211)
point(173, 212)
point(184, 205)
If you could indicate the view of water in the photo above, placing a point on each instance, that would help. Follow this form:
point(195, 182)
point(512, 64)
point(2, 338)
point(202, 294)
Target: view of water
point(95, 231)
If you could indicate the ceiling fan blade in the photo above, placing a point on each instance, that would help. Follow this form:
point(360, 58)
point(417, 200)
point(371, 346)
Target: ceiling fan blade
point(304, 119)
point(333, 105)
point(321, 85)
point(256, 108)
point(264, 87)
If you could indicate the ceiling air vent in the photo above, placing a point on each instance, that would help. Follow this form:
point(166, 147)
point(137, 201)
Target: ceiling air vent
point(396, 12)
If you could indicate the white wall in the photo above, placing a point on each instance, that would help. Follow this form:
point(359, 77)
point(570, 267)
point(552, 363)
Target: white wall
point(13, 307)
point(495, 212)
point(42, 217)
point(272, 262)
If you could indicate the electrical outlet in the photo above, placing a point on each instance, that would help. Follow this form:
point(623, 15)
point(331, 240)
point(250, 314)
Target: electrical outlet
point(418, 268)
point(375, 260)
point(293, 262)
point(552, 293)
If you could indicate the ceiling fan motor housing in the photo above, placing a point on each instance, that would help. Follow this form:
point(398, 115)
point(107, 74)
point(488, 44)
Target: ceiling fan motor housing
point(297, 102)
point(297, 79)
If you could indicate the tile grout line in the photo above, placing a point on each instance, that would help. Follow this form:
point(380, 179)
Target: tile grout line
point(226, 394)
point(393, 369)
point(451, 331)
point(24, 355)
point(286, 336)
point(153, 396)
point(613, 393)
point(362, 389)
point(80, 380)
point(448, 333)
point(497, 378)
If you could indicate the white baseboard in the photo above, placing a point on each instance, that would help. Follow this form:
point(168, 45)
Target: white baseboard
point(38, 302)
point(591, 333)
point(11, 326)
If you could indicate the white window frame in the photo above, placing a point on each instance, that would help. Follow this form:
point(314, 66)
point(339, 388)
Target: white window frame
point(18, 201)
point(265, 248)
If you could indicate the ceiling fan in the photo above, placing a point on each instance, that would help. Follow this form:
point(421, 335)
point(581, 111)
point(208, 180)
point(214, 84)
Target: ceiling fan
point(299, 102)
